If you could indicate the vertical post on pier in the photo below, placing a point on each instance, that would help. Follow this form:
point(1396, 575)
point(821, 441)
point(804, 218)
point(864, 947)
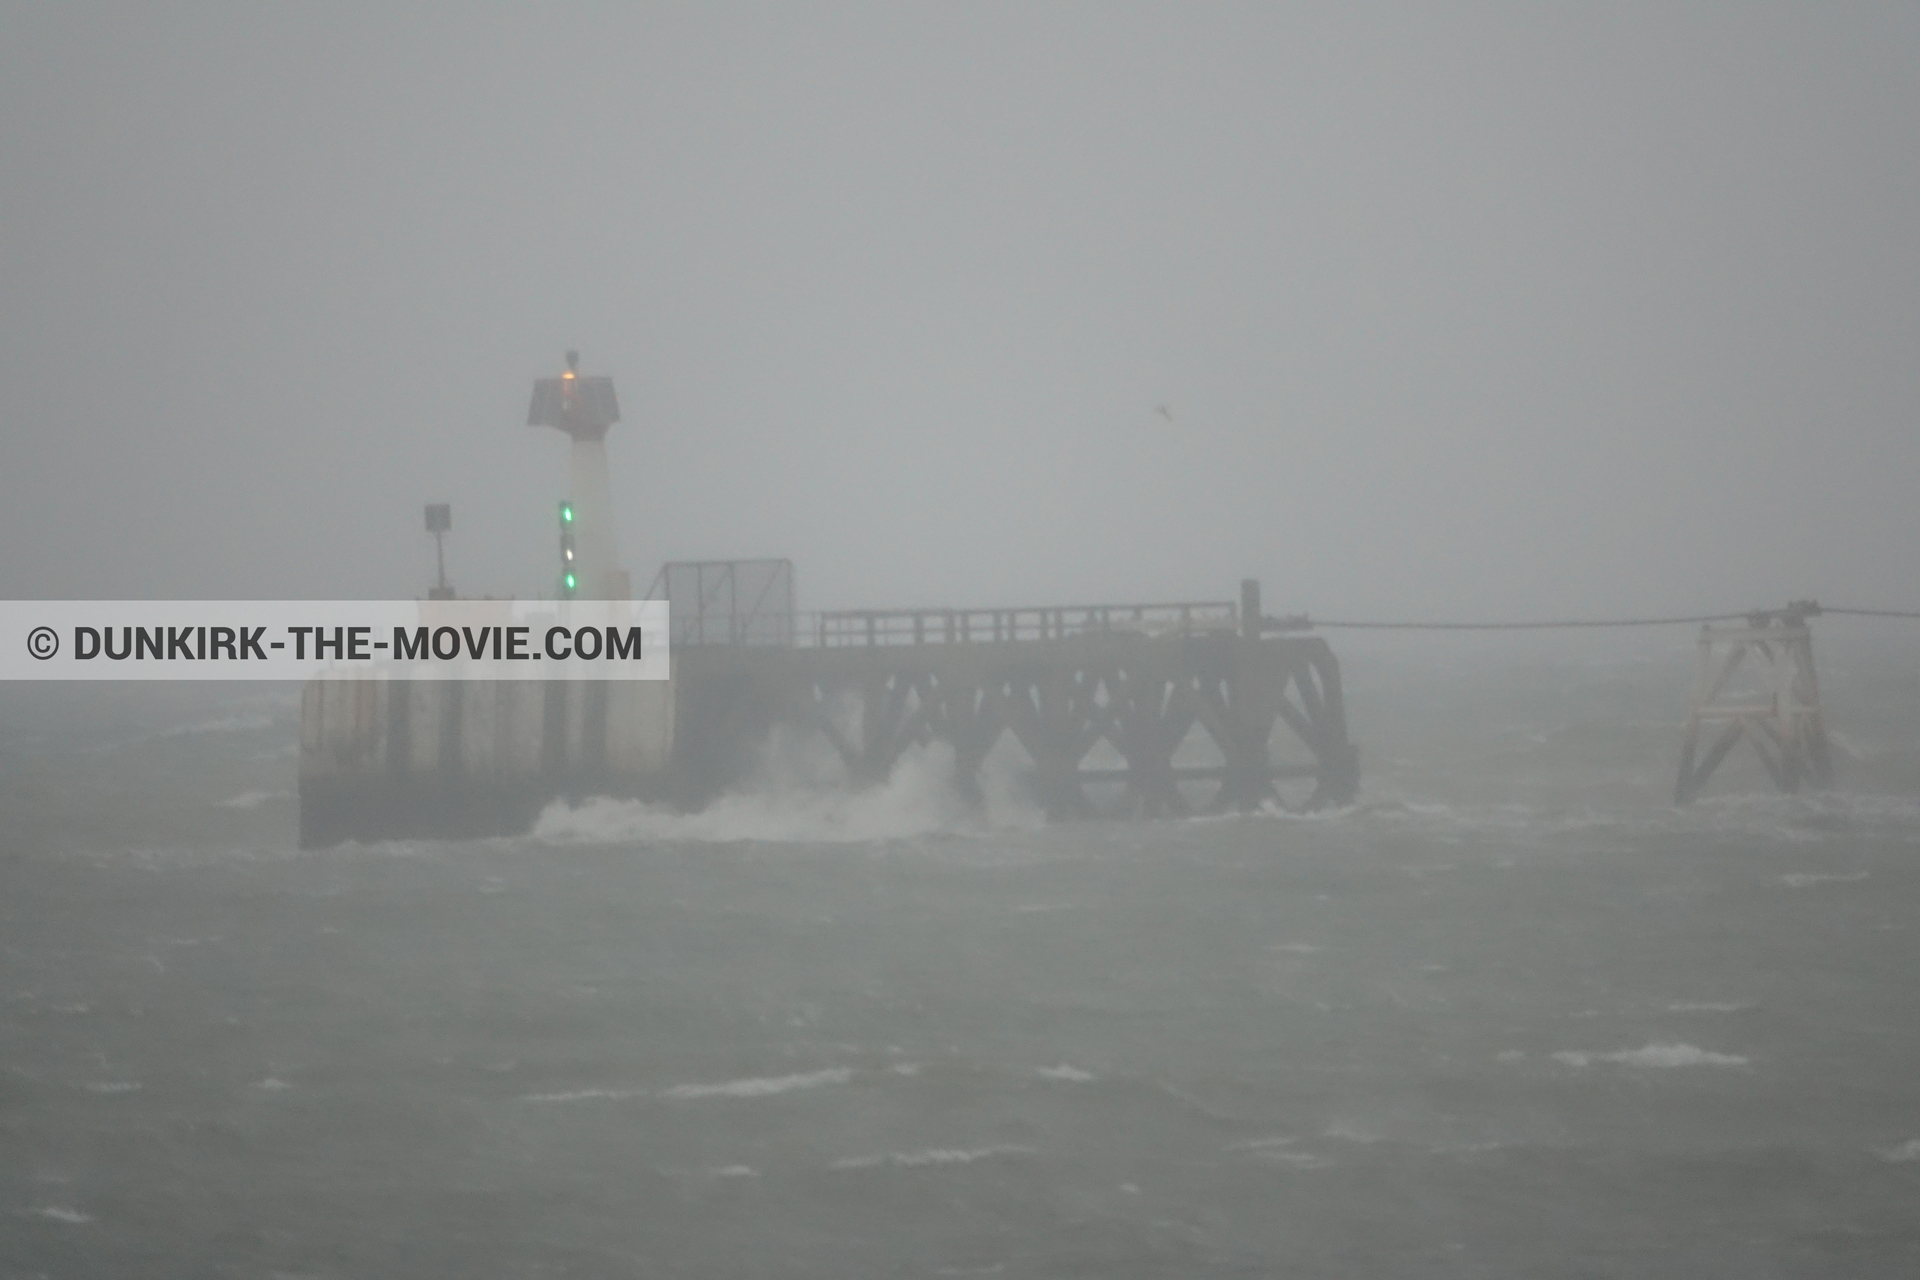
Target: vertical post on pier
point(439, 524)
point(1255, 683)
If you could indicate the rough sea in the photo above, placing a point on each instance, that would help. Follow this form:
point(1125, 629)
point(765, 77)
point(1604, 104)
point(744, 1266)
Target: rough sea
point(1512, 1014)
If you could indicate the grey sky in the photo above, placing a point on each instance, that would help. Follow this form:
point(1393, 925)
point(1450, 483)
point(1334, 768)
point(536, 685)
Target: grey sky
point(1458, 310)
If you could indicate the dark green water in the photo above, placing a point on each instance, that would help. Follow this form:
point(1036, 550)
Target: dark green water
point(1513, 1016)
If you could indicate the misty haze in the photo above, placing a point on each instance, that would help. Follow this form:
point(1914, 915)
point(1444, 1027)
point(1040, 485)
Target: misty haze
point(1102, 820)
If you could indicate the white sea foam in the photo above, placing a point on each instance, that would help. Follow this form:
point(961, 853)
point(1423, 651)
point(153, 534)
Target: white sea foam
point(1262, 1144)
point(1819, 816)
point(586, 1095)
point(113, 1086)
point(253, 799)
point(1906, 1153)
point(1073, 1075)
point(1709, 1006)
point(246, 722)
point(803, 805)
point(1297, 948)
point(1801, 879)
point(737, 1171)
point(58, 1214)
point(801, 794)
point(1281, 1150)
point(1804, 819)
point(760, 1087)
point(1293, 1159)
point(931, 1156)
point(1653, 1055)
point(272, 1084)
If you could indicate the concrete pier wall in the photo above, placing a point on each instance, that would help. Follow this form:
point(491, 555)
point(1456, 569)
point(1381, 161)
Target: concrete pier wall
point(392, 759)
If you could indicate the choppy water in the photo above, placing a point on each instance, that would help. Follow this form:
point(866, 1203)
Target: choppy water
point(1511, 1016)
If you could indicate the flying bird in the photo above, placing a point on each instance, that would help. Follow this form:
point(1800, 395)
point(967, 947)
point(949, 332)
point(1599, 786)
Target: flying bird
point(1164, 412)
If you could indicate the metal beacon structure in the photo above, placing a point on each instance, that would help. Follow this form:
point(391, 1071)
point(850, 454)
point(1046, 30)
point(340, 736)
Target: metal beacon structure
point(385, 759)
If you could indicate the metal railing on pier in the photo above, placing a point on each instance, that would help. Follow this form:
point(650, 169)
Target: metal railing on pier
point(750, 604)
point(849, 628)
point(862, 627)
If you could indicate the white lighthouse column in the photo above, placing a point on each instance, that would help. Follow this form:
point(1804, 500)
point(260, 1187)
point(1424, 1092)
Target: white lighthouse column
point(635, 733)
point(596, 550)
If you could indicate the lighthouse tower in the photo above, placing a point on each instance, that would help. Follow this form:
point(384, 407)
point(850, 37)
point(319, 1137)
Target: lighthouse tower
point(585, 408)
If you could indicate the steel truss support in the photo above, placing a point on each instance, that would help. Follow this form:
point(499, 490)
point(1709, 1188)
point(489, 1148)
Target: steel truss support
point(1783, 723)
point(1058, 698)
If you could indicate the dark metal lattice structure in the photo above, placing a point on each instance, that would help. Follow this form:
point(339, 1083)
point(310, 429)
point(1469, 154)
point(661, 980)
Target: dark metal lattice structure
point(1059, 680)
point(1779, 714)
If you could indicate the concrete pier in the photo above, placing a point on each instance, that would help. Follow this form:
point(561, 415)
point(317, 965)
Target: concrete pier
point(395, 759)
point(387, 759)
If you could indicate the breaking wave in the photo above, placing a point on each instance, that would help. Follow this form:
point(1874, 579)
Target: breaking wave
point(931, 1156)
point(1709, 1006)
point(253, 799)
point(586, 1095)
point(1802, 879)
point(798, 800)
point(760, 1087)
point(73, 1217)
point(1653, 1055)
point(1066, 1073)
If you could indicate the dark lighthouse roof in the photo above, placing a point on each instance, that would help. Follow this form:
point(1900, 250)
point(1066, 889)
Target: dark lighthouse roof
point(582, 407)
